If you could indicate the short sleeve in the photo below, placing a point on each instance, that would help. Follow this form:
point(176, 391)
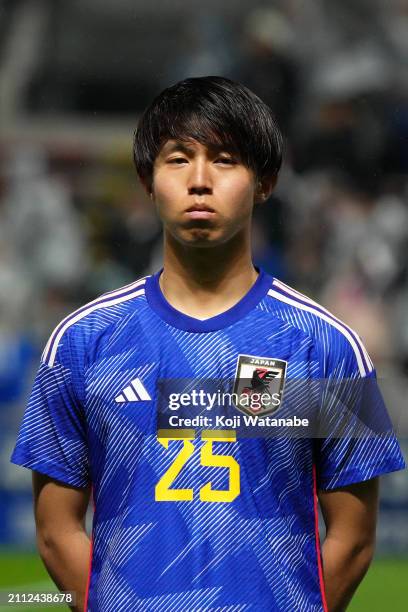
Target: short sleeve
point(356, 441)
point(52, 438)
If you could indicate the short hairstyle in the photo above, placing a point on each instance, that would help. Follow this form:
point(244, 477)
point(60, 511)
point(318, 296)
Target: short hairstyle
point(214, 111)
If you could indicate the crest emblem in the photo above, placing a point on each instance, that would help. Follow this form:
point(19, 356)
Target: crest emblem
point(258, 385)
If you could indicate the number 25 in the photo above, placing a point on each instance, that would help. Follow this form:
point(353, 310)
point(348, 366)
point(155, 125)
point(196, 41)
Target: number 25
point(207, 458)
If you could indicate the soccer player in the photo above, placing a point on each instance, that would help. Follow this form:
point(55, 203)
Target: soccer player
point(206, 518)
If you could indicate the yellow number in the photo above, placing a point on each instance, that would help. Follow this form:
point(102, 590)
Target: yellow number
point(162, 490)
point(207, 493)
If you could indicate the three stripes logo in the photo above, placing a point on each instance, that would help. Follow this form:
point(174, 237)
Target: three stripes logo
point(134, 392)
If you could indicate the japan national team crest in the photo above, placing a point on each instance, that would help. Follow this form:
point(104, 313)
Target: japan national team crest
point(259, 383)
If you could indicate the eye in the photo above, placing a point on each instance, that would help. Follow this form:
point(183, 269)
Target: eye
point(177, 160)
point(229, 161)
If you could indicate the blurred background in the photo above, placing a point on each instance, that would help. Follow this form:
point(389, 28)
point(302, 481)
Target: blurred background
point(74, 222)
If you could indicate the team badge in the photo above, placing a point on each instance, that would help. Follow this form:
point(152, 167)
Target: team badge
point(258, 385)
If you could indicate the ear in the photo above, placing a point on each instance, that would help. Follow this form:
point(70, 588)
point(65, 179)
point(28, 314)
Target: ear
point(264, 188)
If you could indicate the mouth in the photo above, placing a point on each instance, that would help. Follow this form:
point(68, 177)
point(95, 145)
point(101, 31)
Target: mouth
point(200, 211)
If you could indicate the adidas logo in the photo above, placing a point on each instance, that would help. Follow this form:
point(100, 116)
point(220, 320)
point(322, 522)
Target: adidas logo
point(135, 392)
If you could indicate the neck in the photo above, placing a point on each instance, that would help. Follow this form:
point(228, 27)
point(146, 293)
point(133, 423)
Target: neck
point(203, 282)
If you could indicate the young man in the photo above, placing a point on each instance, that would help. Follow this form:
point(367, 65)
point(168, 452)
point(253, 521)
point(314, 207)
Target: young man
point(206, 517)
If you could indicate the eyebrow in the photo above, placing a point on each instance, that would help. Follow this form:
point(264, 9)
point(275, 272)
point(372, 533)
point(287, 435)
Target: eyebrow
point(188, 150)
point(177, 146)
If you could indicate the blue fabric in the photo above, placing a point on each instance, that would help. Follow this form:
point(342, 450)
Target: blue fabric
point(91, 419)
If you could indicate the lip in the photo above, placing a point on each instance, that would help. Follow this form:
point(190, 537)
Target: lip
point(199, 206)
point(200, 211)
point(200, 214)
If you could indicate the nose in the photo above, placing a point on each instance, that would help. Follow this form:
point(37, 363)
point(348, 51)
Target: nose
point(200, 182)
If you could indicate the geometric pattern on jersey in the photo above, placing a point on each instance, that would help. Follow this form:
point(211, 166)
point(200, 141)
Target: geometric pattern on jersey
point(91, 419)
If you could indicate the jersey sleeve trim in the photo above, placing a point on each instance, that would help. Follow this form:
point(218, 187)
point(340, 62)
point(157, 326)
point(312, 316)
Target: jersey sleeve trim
point(108, 299)
point(53, 470)
point(289, 296)
point(360, 474)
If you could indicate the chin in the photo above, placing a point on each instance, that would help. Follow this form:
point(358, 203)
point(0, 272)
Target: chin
point(200, 237)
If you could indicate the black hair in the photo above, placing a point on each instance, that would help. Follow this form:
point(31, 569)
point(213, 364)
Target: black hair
point(214, 111)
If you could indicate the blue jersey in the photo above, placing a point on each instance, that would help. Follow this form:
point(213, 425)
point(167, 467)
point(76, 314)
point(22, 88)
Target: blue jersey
point(189, 514)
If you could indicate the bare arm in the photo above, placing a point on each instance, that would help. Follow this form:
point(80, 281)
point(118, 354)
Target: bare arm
point(350, 515)
point(62, 541)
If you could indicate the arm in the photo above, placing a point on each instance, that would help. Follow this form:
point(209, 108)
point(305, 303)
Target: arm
point(62, 541)
point(350, 515)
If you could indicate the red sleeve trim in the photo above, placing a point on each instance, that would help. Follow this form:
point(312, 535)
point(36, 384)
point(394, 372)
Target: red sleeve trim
point(88, 582)
point(317, 539)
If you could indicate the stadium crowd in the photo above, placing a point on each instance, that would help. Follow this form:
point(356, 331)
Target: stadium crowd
point(74, 222)
point(73, 226)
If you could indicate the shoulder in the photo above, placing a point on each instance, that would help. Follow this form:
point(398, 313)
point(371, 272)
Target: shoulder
point(93, 318)
point(336, 340)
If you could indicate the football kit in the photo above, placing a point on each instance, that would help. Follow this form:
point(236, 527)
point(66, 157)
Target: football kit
point(199, 505)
